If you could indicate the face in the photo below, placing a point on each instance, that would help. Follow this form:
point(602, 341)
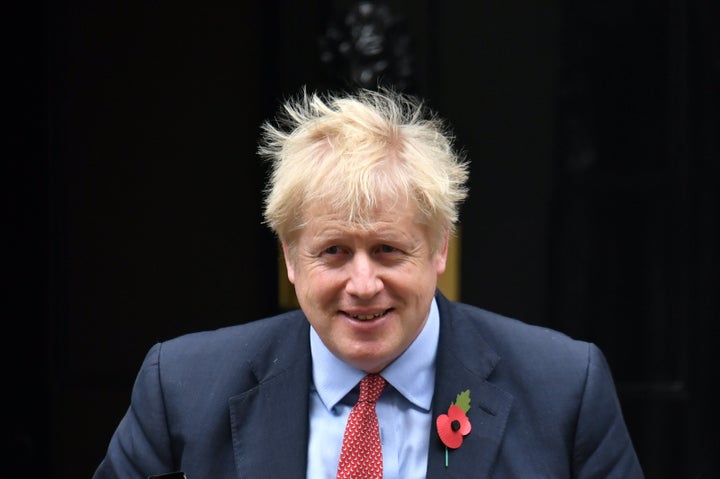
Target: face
point(367, 292)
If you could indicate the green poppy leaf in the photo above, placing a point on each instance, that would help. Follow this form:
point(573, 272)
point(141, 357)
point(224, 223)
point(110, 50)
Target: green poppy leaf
point(463, 401)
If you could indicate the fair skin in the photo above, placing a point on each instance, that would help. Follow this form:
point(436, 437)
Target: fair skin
point(366, 291)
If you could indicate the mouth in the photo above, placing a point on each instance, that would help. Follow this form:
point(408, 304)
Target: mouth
point(368, 316)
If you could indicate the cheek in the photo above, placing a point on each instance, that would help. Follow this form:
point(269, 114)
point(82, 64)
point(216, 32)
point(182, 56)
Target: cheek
point(318, 286)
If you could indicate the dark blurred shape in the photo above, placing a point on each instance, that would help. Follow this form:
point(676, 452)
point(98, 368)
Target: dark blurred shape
point(368, 47)
point(636, 215)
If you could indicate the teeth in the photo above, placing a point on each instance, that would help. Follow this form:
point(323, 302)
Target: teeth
point(365, 317)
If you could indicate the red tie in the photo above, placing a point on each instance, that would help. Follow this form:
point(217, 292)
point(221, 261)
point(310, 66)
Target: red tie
point(361, 454)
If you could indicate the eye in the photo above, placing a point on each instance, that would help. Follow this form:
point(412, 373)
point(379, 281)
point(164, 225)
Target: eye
point(332, 250)
point(386, 249)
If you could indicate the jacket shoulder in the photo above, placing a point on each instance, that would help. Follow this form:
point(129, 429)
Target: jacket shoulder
point(240, 354)
point(515, 339)
point(244, 339)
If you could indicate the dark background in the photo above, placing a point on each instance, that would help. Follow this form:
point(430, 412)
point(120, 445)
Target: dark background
point(132, 191)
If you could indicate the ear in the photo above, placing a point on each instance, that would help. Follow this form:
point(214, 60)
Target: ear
point(441, 255)
point(288, 263)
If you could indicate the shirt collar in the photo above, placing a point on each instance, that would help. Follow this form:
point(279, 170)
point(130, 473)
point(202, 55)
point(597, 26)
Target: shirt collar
point(412, 374)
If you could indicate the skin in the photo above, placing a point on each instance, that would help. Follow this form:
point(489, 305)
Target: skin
point(366, 291)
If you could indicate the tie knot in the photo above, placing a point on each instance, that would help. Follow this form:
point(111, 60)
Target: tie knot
point(371, 387)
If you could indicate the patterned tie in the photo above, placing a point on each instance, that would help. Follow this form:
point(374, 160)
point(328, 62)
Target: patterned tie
point(361, 454)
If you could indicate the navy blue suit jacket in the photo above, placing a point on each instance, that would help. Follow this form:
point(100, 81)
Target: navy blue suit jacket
point(233, 403)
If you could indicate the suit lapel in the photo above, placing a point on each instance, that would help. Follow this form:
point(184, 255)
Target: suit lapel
point(464, 361)
point(270, 421)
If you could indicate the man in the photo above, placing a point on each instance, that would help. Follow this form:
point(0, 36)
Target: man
point(364, 194)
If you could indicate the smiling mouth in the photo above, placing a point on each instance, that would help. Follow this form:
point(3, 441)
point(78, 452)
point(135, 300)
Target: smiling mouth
point(368, 317)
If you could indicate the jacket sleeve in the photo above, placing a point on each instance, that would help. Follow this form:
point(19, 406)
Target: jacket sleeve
point(603, 448)
point(140, 446)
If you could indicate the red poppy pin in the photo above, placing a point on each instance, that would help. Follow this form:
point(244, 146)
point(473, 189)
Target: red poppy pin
point(455, 425)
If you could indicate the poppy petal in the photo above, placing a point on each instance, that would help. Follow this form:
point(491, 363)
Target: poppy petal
point(457, 414)
point(452, 439)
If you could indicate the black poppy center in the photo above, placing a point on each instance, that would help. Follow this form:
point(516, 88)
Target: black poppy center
point(455, 425)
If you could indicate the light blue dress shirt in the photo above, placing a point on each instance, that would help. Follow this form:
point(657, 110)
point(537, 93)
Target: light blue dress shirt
point(404, 408)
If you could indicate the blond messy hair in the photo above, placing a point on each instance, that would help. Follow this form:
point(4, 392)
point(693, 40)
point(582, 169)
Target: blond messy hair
point(349, 153)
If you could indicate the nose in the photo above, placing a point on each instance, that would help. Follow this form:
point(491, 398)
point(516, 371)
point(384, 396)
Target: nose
point(364, 281)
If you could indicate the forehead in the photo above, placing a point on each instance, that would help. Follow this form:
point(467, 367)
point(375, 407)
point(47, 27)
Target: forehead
point(384, 215)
